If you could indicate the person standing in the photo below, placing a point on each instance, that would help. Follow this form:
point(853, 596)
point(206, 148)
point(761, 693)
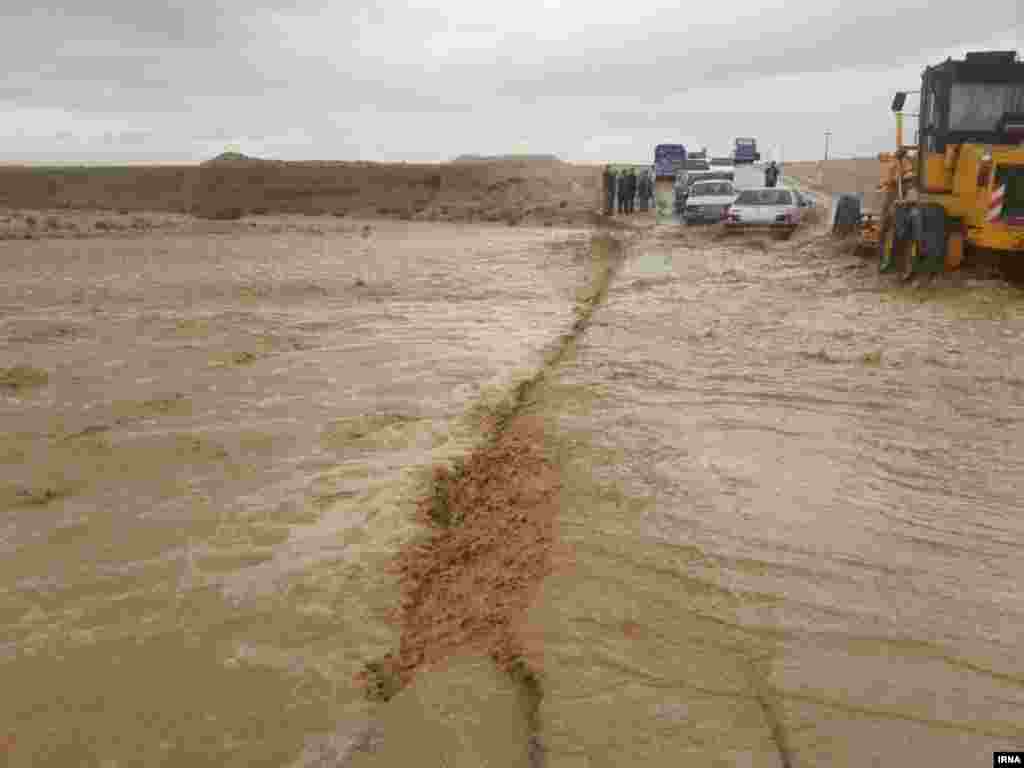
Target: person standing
point(620, 188)
point(771, 174)
point(609, 191)
point(679, 192)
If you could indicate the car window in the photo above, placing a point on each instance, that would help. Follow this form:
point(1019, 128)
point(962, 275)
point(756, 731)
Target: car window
point(765, 197)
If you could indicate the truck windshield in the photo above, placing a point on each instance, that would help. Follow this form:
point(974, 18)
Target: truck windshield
point(979, 106)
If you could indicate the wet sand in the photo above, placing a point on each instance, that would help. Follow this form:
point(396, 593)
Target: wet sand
point(786, 520)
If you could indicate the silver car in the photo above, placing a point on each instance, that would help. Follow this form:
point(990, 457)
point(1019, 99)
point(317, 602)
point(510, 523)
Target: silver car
point(708, 201)
point(775, 208)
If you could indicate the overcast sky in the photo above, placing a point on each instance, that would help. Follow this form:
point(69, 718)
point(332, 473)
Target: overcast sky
point(132, 80)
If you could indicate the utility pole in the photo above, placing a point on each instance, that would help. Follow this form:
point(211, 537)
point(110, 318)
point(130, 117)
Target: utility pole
point(828, 134)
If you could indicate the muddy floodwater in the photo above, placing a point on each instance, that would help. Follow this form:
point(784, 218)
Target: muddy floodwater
point(206, 446)
point(789, 516)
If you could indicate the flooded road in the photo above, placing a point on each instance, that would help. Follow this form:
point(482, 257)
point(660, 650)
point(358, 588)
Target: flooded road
point(789, 496)
point(794, 497)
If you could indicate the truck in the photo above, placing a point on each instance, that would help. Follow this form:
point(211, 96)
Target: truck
point(668, 159)
point(746, 151)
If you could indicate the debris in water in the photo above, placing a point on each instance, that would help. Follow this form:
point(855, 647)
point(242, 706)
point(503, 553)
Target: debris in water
point(22, 377)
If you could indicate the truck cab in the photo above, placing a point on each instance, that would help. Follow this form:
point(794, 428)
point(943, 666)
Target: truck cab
point(746, 151)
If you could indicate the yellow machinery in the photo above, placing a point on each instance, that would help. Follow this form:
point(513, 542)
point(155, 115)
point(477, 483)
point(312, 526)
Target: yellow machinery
point(960, 187)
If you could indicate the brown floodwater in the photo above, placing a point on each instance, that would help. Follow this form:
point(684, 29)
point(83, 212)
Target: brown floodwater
point(209, 445)
point(794, 498)
point(790, 490)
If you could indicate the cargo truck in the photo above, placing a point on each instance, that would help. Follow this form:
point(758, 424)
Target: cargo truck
point(746, 151)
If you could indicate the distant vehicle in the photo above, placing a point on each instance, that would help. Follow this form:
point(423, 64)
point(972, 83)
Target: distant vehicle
point(773, 208)
point(719, 173)
point(669, 159)
point(708, 201)
point(746, 151)
point(748, 176)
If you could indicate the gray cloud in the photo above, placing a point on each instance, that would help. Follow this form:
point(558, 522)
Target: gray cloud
point(392, 80)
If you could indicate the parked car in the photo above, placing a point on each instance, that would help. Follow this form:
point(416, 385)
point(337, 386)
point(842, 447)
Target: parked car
point(708, 201)
point(772, 208)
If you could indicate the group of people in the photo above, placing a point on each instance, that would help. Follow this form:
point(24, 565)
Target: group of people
point(627, 188)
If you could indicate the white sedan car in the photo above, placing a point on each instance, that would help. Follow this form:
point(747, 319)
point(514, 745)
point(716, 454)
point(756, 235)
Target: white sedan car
point(772, 208)
point(708, 201)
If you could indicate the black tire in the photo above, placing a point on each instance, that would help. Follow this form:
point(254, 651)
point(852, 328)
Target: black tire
point(848, 216)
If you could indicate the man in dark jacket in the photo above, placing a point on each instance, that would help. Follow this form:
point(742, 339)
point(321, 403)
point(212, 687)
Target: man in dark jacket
point(609, 190)
point(644, 191)
point(771, 174)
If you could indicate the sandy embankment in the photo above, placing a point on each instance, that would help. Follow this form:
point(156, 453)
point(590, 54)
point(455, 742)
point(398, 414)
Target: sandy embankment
point(833, 177)
point(526, 191)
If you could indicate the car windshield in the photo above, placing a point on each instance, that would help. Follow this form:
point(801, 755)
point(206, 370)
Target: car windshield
point(700, 190)
point(765, 197)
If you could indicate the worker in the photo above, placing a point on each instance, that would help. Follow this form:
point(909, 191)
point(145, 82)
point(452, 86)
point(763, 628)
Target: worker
point(609, 190)
point(644, 191)
point(679, 192)
point(771, 174)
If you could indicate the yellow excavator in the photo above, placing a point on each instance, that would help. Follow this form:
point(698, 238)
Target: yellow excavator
point(959, 190)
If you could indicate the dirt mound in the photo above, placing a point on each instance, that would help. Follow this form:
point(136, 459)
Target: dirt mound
point(468, 585)
point(230, 156)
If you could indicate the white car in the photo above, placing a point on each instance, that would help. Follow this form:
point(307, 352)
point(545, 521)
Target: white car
point(775, 208)
point(708, 201)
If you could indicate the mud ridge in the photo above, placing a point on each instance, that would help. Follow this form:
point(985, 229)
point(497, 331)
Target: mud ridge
point(490, 541)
